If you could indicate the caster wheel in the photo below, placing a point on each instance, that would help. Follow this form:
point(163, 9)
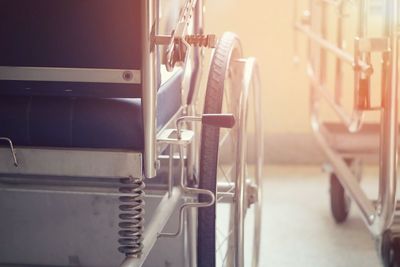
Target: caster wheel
point(387, 252)
point(390, 250)
point(340, 202)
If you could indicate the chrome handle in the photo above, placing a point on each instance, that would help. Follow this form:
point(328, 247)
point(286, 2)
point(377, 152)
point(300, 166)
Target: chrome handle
point(14, 156)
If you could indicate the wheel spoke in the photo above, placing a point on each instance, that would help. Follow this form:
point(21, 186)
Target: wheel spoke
point(226, 173)
point(224, 240)
point(224, 138)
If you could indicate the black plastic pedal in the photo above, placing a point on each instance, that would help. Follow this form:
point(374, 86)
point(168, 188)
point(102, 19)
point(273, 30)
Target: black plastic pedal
point(219, 120)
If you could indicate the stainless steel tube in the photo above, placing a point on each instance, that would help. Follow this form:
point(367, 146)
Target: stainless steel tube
point(389, 124)
point(240, 207)
point(149, 86)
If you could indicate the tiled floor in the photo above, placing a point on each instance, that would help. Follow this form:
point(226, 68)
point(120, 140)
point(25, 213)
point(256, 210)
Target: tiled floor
point(298, 227)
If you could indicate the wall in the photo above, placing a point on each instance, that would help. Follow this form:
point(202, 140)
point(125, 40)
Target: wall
point(266, 31)
point(265, 28)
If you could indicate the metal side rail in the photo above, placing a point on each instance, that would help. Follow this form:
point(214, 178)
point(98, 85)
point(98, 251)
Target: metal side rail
point(71, 162)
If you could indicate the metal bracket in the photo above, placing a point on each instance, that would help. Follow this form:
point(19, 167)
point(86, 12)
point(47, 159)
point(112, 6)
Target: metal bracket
point(179, 41)
point(178, 46)
point(182, 137)
point(200, 40)
point(363, 48)
point(252, 193)
point(191, 192)
point(175, 137)
point(13, 154)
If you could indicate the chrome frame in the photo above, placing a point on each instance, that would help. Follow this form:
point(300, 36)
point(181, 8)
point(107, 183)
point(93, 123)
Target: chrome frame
point(70, 75)
point(378, 215)
point(149, 81)
point(250, 82)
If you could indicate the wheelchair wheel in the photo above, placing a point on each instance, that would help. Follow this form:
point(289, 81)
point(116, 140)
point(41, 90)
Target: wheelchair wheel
point(224, 170)
point(390, 249)
point(340, 202)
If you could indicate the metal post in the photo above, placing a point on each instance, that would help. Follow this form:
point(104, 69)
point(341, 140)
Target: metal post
point(149, 86)
point(259, 161)
point(389, 124)
point(323, 53)
point(339, 65)
point(361, 79)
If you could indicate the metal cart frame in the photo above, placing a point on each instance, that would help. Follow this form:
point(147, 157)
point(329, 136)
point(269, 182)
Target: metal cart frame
point(379, 214)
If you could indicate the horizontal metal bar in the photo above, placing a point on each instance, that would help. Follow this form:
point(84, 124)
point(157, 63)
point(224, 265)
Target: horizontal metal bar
point(72, 162)
point(225, 197)
point(157, 223)
point(75, 190)
point(225, 187)
point(338, 52)
point(85, 75)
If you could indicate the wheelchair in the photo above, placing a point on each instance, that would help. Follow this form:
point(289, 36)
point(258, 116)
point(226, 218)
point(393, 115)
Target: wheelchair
point(112, 152)
point(347, 143)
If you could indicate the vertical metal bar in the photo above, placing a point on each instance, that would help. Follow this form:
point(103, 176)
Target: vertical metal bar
point(192, 154)
point(314, 49)
point(186, 240)
point(362, 32)
point(149, 86)
point(192, 230)
point(313, 59)
point(198, 52)
point(323, 53)
point(193, 150)
point(259, 160)
point(295, 34)
point(389, 124)
point(170, 168)
point(339, 65)
point(241, 202)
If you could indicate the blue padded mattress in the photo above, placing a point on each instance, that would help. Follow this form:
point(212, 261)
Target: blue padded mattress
point(113, 123)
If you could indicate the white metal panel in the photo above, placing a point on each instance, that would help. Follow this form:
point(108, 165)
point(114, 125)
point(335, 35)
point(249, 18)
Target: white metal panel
point(70, 75)
point(72, 162)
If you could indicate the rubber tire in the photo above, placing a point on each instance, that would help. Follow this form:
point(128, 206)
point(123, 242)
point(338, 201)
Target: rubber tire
point(396, 249)
point(206, 248)
point(387, 249)
point(340, 205)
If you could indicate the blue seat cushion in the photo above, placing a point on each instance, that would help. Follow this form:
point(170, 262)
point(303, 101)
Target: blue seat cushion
point(113, 123)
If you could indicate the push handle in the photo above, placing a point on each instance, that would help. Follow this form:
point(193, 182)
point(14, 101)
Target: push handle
point(225, 120)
